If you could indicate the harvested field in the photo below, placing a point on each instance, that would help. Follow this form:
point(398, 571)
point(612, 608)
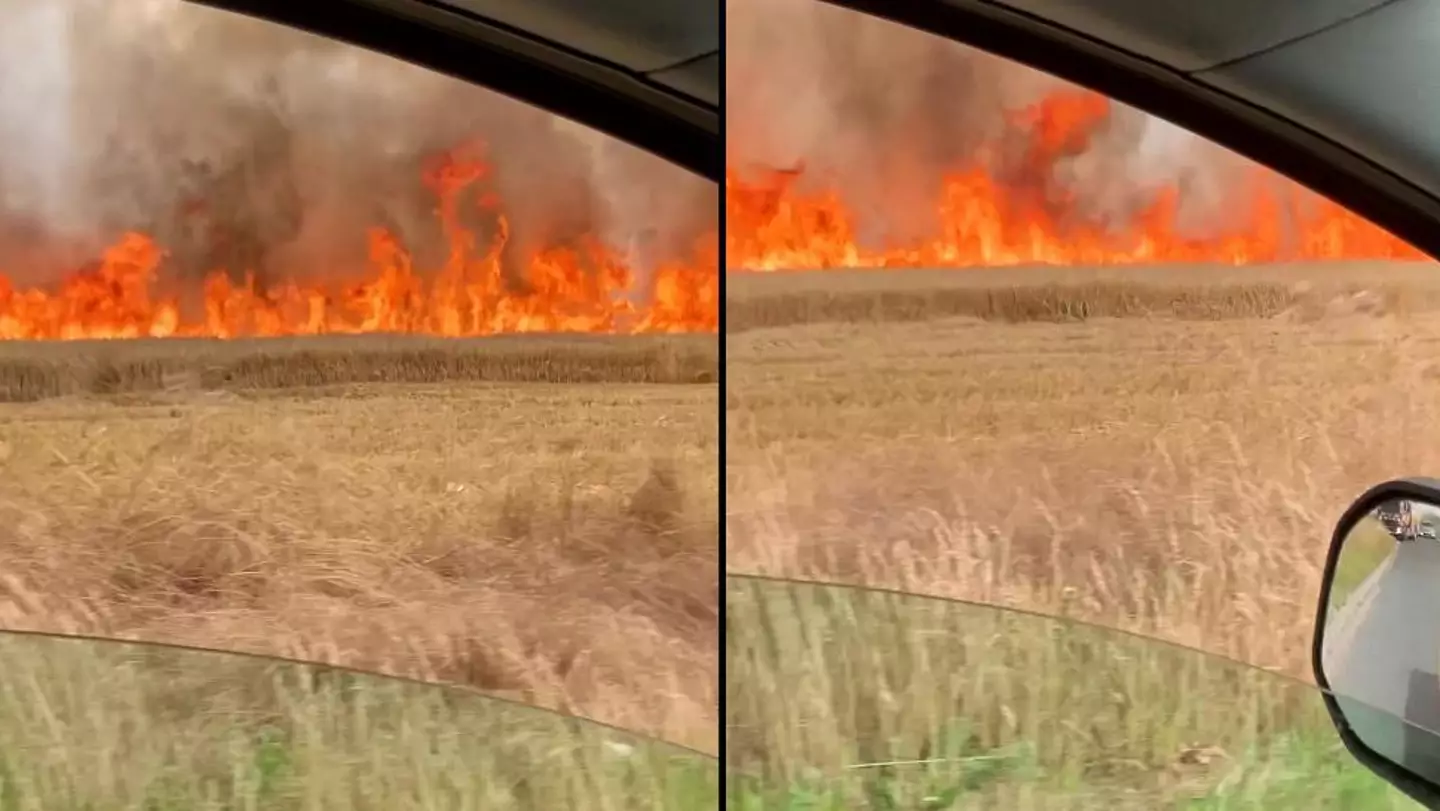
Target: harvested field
point(1168, 471)
point(32, 371)
point(552, 541)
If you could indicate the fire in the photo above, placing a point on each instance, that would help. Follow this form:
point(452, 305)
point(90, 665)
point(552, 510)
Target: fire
point(774, 221)
point(589, 287)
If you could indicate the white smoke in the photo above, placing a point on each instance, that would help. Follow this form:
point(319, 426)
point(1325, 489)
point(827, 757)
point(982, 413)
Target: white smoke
point(116, 115)
point(881, 112)
point(33, 127)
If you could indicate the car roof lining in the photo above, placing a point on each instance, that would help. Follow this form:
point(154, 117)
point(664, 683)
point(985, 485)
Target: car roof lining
point(1189, 35)
point(1296, 38)
point(641, 35)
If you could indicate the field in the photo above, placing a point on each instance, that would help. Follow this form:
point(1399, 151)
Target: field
point(1158, 450)
point(32, 371)
point(535, 518)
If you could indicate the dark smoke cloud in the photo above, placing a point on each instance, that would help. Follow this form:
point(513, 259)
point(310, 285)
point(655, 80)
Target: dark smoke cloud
point(882, 111)
point(242, 144)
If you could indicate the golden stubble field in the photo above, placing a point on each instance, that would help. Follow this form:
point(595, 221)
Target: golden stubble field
point(533, 517)
point(1163, 450)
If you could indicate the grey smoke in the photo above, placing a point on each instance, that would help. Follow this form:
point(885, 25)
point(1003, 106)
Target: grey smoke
point(881, 111)
point(117, 116)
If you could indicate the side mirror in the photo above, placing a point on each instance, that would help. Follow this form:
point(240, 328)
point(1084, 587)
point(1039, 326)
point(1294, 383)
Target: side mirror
point(1377, 634)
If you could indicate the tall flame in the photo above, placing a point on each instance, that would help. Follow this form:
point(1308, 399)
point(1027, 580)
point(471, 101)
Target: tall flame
point(774, 222)
point(590, 287)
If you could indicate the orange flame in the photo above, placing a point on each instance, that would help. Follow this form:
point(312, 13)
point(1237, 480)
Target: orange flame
point(773, 223)
point(589, 288)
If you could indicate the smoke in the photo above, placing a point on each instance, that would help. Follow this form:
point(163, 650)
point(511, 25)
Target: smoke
point(882, 112)
point(243, 145)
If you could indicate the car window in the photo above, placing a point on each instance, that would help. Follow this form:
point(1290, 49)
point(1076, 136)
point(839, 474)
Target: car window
point(99, 724)
point(310, 352)
point(996, 337)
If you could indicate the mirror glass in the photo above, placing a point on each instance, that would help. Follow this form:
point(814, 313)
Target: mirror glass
point(1380, 649)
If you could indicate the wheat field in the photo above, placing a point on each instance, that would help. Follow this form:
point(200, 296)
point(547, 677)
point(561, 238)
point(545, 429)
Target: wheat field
point(535, 518)
point(31, 371)
point(1162, 451)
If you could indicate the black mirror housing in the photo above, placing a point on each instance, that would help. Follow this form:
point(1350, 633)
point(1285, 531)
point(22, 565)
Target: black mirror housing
point(1376, 648)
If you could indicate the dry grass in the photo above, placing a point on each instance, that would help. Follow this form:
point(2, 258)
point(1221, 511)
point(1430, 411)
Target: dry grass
point(31, 371)
point(552, 543)
point(1129, 466)
point(1165, 475)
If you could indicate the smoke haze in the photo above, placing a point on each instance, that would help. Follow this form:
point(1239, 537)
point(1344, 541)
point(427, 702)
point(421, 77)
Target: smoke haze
point(186, 122)
point(881, 112)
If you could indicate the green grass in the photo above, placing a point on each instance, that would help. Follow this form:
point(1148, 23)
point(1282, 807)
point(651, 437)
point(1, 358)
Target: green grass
point(104, 726)
point(1292, 773)
point(847, 698)
point(1366, 547)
